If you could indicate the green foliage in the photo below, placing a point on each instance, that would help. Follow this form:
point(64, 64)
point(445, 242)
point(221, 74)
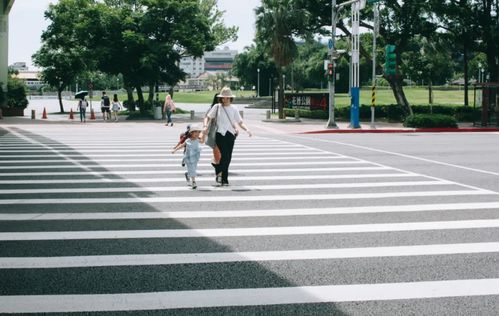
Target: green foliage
point(62, 56)
point(393, 112)
point(467, 114)
point(430, 121)
point(2, 94)
point(246, 65)
point(16, 93)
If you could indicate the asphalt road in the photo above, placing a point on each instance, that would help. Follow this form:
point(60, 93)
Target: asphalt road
point(98, 218)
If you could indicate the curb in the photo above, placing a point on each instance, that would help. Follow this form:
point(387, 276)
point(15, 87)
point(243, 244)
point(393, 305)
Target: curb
point(409, 130)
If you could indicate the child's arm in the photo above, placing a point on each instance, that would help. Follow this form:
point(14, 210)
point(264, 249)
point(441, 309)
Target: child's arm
point(202, 138)
point(177, 147)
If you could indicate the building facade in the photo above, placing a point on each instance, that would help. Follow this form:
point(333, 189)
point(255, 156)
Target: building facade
point(5, 6)
point(220, 60)
point(192, 66)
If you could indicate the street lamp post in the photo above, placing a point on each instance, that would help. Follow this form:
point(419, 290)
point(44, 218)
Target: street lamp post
point(258, 83)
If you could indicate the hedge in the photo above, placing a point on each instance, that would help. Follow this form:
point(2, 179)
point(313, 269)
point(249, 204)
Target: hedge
point(392, 113)
point(430, 120)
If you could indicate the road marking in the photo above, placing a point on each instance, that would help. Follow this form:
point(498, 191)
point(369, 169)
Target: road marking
point(235, 154)
point(246, 297)
point(163, 159)
point(244, 198)
point(243, 231)
point(219, 257)
point(176, 165)
point(248, 213)
point(201, 179)
point(406, 156)
point(243, 187)
point(181, 171)
point(164, 150)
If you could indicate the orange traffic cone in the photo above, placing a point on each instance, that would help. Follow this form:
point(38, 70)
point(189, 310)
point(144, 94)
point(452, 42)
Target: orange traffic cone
point(71, 115)
point(44, 115)
point(92, 114)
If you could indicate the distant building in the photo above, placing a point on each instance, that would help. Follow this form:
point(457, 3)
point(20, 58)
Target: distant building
point(31, 78)
point(192, 66)
point(219, 60)
point(19, 66)
point(216, 61)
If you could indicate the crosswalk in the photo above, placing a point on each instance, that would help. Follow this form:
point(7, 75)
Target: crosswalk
point(102, 220)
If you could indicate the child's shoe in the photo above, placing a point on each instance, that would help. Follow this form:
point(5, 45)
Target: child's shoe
point(187, 178)
point(194, 185)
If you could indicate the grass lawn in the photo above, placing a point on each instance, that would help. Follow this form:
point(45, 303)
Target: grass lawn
point(415, 96)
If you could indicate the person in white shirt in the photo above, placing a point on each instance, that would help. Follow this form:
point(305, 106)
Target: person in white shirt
point(227, 116)
point(82, 106)
point(115, 107)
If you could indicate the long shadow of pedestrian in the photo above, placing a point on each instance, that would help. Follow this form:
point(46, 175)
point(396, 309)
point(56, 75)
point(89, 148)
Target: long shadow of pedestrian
point(123, 279)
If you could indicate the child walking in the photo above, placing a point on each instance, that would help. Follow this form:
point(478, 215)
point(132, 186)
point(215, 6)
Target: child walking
point(192, 153)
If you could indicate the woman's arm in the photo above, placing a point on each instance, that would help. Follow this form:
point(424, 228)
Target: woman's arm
point(244, 127)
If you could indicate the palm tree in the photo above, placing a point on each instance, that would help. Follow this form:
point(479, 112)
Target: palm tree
point(275, 21)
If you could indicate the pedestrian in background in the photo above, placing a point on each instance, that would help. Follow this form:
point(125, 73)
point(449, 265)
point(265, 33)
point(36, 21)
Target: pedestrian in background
point(115, 107)
point(82, 107)
point(169, 108)
point(227, 116)
point(105, 105)
point(192, 153)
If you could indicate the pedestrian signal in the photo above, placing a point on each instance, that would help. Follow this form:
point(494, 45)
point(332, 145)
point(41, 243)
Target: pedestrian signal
point(330, 71)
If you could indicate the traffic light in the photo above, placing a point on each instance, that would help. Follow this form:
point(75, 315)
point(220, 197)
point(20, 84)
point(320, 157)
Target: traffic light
point(330, 71)
point(390, 60)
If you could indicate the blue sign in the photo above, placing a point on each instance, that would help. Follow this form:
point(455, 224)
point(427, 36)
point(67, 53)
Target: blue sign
point(330, 44)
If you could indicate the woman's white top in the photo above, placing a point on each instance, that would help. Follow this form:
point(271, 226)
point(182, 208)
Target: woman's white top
point(116, 106)
point(224, 124)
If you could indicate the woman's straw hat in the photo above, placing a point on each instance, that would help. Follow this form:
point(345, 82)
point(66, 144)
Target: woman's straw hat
point(226, 93)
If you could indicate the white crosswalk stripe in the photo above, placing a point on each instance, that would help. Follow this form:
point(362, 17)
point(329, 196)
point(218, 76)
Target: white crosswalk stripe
point(293, 220)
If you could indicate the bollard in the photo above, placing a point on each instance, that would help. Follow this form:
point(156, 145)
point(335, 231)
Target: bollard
point(33, 114)
point(192, 115)
point(241, 113)
point(267, 115)
point(297, 115)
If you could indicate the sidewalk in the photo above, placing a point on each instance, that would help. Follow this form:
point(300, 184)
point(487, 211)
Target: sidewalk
point(255, 119)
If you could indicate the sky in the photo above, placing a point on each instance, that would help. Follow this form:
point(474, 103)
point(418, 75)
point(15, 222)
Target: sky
point(26, 24)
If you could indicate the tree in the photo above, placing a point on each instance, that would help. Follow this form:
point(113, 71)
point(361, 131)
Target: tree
point(400, 21)
point(246, 67)
point(62, 56)
point(145, 39)
point(276, 22)
point(429, 60)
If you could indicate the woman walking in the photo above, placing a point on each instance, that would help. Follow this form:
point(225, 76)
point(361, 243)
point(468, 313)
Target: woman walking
point(169, 108)
point(227, 117)
point(115, 107)
point(215, 162)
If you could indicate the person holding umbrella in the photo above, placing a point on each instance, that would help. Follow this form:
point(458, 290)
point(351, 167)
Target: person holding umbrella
point(82, 106)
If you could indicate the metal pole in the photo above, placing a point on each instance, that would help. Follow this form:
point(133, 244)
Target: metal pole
point(354, 110)
point(375, 35)
point(258, 84)
point(331, 83)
